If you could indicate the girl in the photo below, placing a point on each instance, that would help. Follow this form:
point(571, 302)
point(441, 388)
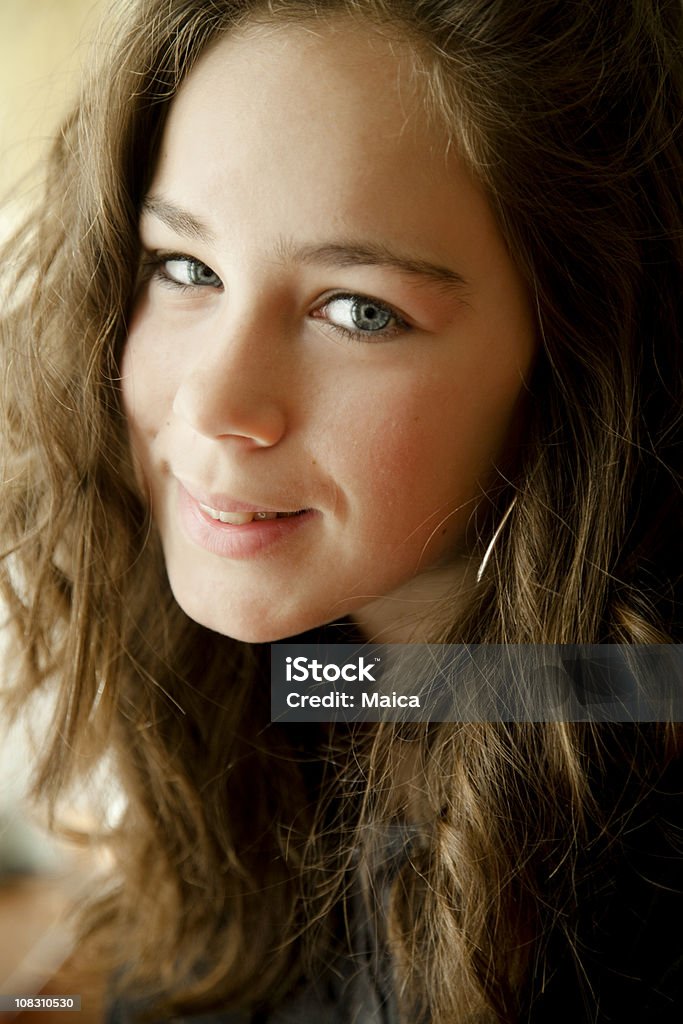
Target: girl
point(357, 320)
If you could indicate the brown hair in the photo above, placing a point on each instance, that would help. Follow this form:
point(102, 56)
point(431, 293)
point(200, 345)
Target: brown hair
point(237, 835)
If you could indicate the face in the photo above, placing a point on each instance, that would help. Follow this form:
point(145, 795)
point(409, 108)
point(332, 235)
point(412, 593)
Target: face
point(329, 342)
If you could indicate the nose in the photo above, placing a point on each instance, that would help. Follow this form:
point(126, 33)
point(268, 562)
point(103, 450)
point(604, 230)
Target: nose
point(233, 387)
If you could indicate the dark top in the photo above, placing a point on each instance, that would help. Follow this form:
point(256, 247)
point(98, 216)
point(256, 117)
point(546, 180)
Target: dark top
point(627, 929)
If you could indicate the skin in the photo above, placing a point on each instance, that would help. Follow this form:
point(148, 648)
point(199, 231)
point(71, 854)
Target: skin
point(247, 383)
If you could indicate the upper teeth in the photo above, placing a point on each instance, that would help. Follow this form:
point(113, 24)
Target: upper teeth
point(240, 518)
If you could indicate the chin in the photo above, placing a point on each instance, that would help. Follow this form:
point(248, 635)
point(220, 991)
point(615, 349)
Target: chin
point(245, 628)
point(248, 625)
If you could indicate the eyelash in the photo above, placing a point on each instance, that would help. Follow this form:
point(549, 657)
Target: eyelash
point(400, 326)
point(152, 268)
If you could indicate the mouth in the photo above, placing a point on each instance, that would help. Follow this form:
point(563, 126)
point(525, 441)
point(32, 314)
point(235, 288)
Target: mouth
point(242, 518)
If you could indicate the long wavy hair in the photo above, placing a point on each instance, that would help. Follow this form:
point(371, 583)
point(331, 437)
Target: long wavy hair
point(239, 837)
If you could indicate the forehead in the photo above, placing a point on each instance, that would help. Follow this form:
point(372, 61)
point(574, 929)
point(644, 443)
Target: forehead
point(317, 62)
point(324, 120)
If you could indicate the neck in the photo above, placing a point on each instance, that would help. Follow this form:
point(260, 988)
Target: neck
point(423, 609)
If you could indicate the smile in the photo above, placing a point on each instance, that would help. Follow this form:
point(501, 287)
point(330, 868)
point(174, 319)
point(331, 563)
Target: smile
point(239, 533)
point(242, 518)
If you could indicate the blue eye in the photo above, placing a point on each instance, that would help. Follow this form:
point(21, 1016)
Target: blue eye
point(176, 270)
point(361, 316)
point(188, 272)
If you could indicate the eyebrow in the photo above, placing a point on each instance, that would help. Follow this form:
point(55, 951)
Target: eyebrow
point(370, 254)
point(177, 219)
point(341, 254)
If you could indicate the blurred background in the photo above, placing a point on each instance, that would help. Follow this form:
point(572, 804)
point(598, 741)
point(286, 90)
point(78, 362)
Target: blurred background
point(43, 46)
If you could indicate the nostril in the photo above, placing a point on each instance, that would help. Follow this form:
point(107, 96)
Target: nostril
point(215, 408)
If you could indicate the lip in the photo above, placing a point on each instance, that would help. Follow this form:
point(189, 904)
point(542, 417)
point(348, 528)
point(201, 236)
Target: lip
point(224, 502)
point(237, 542)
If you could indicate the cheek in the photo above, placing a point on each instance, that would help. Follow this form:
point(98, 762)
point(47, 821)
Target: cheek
point(417, 454)
point(389, 458)
point(144, 398)
point(129, 384)
point(151, 365)
point(149, 368)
